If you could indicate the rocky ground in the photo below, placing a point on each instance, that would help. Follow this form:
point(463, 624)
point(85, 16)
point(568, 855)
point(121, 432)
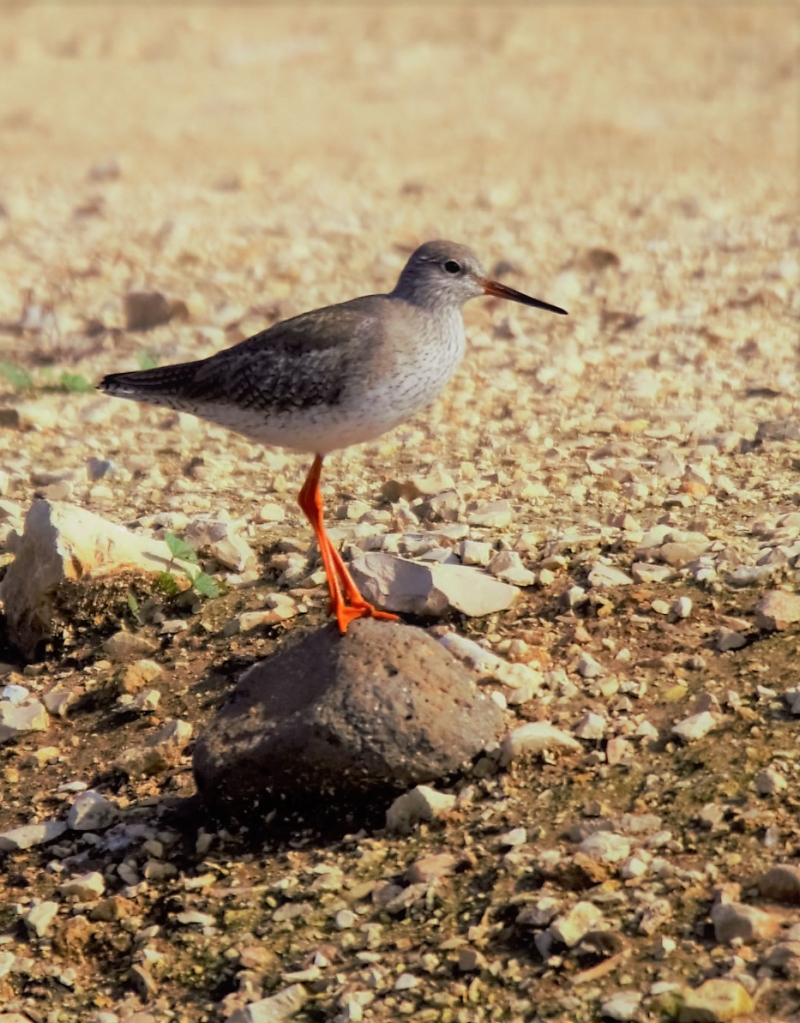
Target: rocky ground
point(630, 850)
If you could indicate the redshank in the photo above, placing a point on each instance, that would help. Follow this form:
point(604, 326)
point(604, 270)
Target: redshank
point(334, 377)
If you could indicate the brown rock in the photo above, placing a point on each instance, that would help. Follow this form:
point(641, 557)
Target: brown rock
point(116, 907)
point(146, 309)
point(736, 920)
point(777, 610)
point(384, 706)
point(781, 883)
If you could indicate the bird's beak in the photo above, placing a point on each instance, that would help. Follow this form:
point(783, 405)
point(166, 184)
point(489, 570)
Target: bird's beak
point(501, 291)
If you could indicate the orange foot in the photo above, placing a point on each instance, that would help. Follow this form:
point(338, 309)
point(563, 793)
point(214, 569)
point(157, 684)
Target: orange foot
point(346, 613)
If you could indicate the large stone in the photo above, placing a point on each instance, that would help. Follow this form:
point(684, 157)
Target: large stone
point(715, 1001)
point(384, 706)
point(409, 587)
point(278, 1007)
point(733, 920)
point(18, 718)
point(781, 883)
point(777, 610)
point(63, 544)
point(29, 835)
point(532, 738)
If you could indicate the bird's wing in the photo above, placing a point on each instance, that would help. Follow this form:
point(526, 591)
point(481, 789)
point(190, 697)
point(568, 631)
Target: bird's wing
point(305, 361)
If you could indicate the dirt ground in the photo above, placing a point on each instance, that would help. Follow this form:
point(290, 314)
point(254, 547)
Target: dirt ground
point(637, 166)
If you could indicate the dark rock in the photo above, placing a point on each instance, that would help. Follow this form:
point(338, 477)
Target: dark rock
point(778, 430)
point(383, 707)
point(146, 309)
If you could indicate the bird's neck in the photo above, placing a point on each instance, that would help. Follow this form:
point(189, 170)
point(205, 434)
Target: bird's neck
point(431, 299)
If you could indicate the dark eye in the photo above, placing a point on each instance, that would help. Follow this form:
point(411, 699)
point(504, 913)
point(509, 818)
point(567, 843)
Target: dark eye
point(452, 267)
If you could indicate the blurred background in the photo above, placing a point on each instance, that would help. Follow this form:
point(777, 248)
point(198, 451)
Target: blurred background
point(257, 161)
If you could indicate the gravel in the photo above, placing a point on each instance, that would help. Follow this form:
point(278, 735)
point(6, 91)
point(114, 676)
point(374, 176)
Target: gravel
point(627, 476)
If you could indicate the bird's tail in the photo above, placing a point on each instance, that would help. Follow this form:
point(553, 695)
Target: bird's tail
point(160, 386)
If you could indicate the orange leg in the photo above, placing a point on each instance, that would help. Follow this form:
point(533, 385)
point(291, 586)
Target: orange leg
point(347, 603)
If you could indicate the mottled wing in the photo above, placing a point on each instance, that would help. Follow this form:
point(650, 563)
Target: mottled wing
point(300, 363)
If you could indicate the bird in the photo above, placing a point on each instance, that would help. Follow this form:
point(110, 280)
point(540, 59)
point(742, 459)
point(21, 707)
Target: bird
point(334, 377)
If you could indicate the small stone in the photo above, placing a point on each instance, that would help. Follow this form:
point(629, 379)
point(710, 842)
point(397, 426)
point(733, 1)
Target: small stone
point(513, 838)
point(409, 587)
point(669, 466)
point(344, 919)
point(535, 737)
point(750, 575)
point(406, 982)
point(106, 169)
point(711, 816)
point(644, 572)
point(632, 867)
point(576, 923)
point(84, 887)
point(126, 646)
point(137, 675)
point(781, 883)
point(770, 782)
point(574, 596)
point(39, 918)
point(275, 1009)
point(777, 610)
point(113, 908)
point(29, 835)
point(678, 554)
point(475, 552)
point(422, 803)
point(715, 1001)
point(602, 577)
point(18, 718)
point(591, 726)
point(143, 982)
point(623, 1005)
point(428, 869)
point(435, 482)
point(58, 702)
point(618, 750)
point(271, 512)
point(160, 751)
point(736, 920)
point(682, 607)
point(470, 959)
point(14, 694)
point(663, 947)
point(605, 847)
point(147, 309)
point(91, 812)
point(507, 565)
point(661, 607)
point(193, 918)
point(492, 515)
point(654, 915)
point(588, 667)
point(222, 539)
point(487, 664)
point(694, 727)
point(729, 639)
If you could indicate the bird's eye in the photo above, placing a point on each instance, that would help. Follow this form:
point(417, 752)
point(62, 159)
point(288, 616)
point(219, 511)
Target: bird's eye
point(452, 267)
